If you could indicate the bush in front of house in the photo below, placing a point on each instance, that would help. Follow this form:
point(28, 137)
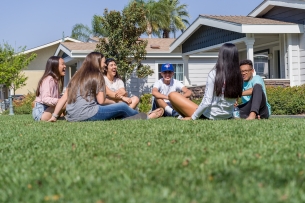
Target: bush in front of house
point(23, 106)
point(145, 103)
point(286, 100)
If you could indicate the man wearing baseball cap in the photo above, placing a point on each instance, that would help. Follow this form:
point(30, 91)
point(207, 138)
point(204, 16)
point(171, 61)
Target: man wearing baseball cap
point(164, 86)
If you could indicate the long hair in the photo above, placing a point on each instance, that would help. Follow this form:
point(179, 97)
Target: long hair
point(88, 80)
point(52, 70)
point(107, 63)
point(228, 72)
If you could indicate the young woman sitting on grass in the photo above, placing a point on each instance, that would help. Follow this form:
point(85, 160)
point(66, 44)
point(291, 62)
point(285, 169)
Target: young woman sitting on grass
point(224, 86)
point(86, 93)
point(116, 85)
point(49, 89)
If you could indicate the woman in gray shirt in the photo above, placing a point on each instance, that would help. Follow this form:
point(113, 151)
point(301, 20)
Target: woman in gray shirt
point(223, 88)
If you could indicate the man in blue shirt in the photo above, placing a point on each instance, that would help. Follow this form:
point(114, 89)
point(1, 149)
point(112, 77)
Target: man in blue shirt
point(254, 97)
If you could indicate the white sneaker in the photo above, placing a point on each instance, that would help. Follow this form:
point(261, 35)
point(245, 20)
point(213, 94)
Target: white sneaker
point(180, 117)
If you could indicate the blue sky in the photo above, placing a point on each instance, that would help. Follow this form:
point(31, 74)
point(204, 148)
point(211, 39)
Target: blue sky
point(33, 23)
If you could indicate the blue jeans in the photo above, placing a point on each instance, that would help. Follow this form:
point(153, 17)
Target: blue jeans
point(38, 110)
point(113, 111)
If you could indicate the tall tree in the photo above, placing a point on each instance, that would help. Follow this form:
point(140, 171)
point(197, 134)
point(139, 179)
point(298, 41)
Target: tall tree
point(155, 16)
point(12, 65)
point(83, 32)
point(123, 42)
point(177, 17)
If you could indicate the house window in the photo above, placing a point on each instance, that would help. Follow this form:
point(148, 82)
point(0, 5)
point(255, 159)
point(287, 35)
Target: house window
point(178, 68)
point(261, 64)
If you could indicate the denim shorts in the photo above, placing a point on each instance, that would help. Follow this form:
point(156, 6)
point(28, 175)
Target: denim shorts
point(38, 110)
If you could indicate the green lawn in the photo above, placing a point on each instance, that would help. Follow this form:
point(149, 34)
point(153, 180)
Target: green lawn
point(164, 160)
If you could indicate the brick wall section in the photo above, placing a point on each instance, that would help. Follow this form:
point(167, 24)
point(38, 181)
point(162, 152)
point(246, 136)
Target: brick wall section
point(198, 91)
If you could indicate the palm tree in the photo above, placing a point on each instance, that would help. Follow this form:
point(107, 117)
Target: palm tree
point(176, 18)
point(83, 32)
point(156, 17)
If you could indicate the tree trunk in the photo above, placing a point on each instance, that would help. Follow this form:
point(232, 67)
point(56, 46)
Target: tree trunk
point(165, 33)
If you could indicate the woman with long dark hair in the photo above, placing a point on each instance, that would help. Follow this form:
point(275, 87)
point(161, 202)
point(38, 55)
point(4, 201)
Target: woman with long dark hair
point(86, 93)
point(116, 86)
point(223, 88)
point(49, 88)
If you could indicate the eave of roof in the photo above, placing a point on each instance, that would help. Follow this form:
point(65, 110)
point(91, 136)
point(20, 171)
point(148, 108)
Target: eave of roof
point(50, 44)
point(240, 24)
point(267, 5)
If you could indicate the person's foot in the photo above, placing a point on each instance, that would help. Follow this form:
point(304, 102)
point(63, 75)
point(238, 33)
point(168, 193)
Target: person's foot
point(157, 113)
point(251, 116)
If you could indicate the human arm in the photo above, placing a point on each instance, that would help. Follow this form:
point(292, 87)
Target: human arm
point(60, 104)
point(247, 92)
point(49, 92)
point(157, 94)
point(208, 96)
point(112, 95)
point(100, 97)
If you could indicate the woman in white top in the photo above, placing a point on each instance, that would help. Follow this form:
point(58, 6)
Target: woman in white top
point(223, 88)
point(116, 85)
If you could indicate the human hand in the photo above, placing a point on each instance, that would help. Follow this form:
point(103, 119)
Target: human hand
point(52, 119)
point(126, 100)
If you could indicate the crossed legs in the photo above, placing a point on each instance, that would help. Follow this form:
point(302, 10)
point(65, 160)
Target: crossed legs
point(182, 105)
point(256, 106)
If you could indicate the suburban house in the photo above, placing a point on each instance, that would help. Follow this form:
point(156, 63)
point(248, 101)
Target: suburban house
point(272, 35)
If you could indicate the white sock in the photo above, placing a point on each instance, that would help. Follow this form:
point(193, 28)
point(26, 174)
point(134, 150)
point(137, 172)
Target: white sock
point(168, 110)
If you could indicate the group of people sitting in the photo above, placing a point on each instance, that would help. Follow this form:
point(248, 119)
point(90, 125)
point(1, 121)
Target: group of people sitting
point(96, 92)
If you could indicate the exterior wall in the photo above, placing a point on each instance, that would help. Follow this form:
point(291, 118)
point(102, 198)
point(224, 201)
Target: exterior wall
point(286, 14)
point(302, 58)
point(207, 36)
point(294, 59)
point(36, 69)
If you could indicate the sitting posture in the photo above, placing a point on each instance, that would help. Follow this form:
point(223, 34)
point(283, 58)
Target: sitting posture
point(116, 85)
point(254, 98)
point(85, 96)
point(223, 87)
point(163, 87)
point(49, 89)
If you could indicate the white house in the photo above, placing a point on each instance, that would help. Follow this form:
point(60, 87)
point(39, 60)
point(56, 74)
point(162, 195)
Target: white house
point(272, 36)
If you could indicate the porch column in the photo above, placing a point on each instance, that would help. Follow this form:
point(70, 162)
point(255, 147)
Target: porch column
point(186, 79)
point(250, 53)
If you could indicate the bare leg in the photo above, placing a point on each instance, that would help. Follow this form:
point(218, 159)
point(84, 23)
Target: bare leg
point(135, 100)
point(47, 114)
point(182, 105)
point(161, 103)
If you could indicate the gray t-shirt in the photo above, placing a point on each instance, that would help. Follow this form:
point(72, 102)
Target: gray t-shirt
point(82, 110)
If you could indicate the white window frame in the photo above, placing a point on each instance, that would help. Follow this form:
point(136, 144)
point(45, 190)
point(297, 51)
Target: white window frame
point(157, 63)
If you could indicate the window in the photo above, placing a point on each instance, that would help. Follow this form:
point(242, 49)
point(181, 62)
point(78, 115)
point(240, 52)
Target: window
point(178, 68)
point(261, 64)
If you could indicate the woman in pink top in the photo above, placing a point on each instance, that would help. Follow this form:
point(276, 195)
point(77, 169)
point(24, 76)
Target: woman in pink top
point(49, 89)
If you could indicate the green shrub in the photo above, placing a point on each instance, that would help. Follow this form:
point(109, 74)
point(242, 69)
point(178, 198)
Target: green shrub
point(288, 100)
point(24, 106)
point(145, 103)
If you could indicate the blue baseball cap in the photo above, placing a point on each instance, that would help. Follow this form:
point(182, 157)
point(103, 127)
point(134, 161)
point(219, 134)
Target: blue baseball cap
point(167, 67)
